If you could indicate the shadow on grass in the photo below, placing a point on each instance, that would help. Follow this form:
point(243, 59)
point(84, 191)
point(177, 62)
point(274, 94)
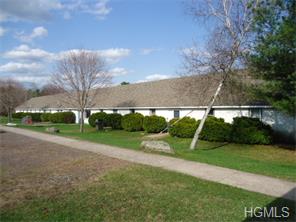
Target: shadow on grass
point(281, 209)
point(215, 147)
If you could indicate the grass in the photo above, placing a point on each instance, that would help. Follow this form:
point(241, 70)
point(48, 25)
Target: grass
point(260, 159)
point(142, 193)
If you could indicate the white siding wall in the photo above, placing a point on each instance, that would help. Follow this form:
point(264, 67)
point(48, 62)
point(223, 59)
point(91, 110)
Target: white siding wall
point(280, 122)
point(167, 114)
point(197, 114)
point(144, 112)
point(229, 114)
point(123, 111)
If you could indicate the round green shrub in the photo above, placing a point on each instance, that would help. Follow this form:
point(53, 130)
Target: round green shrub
point(154, 124)
point(45, 117)
point(250, 131)
point(18, 115)
point(114, 120)
point(36, 117)
point(215, 129)
point(185, 128)
point(132, 122)
point(101, 116)
point(62, 117)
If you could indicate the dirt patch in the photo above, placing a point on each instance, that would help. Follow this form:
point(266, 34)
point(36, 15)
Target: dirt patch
point(33, 168)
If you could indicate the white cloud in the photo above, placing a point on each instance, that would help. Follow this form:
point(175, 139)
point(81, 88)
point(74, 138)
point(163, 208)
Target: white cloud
point(42, 10)
point(114, 54)
point(24, 52)
point(37, 10)
point(155, 77)
point(118, 71)
point(147, 51)
point(111, 55)
point(2, 31)
point(37, 32)
point(98, 8)
point(16, 67)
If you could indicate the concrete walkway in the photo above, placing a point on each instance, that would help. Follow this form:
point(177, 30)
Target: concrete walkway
point(248, 181)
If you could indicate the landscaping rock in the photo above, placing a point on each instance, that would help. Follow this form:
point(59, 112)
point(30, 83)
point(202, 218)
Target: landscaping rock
point(52, 130)
point(157, 145)
point(11, 124)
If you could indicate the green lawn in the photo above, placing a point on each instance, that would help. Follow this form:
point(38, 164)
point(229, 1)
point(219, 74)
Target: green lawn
point(267, 160)
point(142, 193)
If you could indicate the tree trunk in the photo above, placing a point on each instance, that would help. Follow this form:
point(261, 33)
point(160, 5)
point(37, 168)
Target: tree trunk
point(82, 121)
point(9, 115)
point(203, 120)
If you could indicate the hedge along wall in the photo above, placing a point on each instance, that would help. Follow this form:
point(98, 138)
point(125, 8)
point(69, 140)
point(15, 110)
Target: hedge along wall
point(243, 130)
point(251, 131)
point(154, 124)
point(45, 117)
point(114, 120)
point(101, 116)
point(132, 122)
point(36, 117)
point(62, 117)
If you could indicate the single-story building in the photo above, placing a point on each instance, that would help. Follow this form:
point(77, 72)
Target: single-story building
point(170, 98)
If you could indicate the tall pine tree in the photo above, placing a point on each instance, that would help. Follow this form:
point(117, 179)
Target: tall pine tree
point(273, 57)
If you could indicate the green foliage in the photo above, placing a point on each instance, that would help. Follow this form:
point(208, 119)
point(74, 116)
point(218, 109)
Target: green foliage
point(62, 117)
point(185, 128)
point(215, 129)
point(36, 117)
point(45, 117)
point(250, 131)
point(101, 116)
point(114, 120)
point(274, 54)
point(19, 115)
point(132, 122)
point(154, 124)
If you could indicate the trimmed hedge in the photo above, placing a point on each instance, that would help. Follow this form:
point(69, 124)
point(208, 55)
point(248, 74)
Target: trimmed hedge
point(36, 117)
point(243, 130)
point(154, 124)
point(18, 115)
point(215, 129)
point(132, 122)
point(101, 116)
point(114, 120)
point(185, 128)
point(62, 117)
point(45, 117)
point(250, 131)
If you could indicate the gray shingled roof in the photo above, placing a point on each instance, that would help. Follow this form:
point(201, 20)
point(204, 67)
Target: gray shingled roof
point(177, 92)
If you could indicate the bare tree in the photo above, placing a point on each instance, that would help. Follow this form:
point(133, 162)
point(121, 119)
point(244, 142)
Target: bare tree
point(12, 94)
point(231, 23)
point(80, 74)
point(50, 89)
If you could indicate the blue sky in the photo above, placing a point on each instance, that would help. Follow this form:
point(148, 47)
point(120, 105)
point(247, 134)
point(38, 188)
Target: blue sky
point(140, 39)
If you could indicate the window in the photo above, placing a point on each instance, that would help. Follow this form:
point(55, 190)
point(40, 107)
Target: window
point(256, 113)
point(176, 113)
point(132, 110)
point(87, 113)
point(211, 113)
point(115, 111)
point(152, 112)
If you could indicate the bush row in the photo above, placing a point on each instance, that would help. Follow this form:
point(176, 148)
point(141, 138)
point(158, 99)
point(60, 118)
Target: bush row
point(242, 130)
point(61, 117)
point(129, 122)
point(36, 117)
point(113, 119)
